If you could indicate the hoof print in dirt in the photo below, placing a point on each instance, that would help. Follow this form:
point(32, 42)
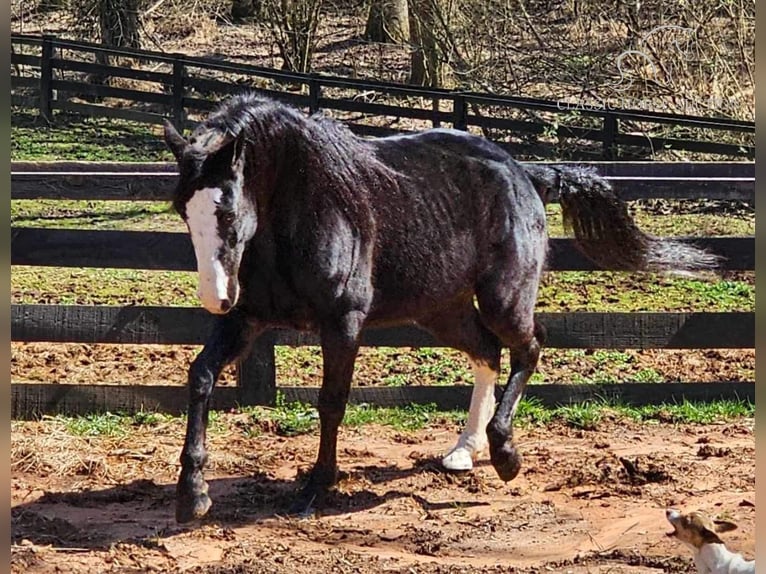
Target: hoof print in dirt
point(708, 450)
point(638, 475)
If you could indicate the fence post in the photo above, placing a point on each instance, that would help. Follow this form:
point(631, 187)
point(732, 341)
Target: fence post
point(459, 112)
point(46, 77)
point(435, 122)
point(179, 114)
point(611, 126)
point(315, 89)
point(257, 374)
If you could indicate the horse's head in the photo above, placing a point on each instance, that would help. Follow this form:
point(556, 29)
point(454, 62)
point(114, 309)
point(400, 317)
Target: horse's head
point(220, 216)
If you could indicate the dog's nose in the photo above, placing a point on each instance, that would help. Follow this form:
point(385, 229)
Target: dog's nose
point(671, 512)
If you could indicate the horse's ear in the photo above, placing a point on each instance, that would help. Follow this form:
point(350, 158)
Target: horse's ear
point(174, 140)
point(238, 155)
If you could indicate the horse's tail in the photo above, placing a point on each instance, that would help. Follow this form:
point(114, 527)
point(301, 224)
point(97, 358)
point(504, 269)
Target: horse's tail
point(604, 229)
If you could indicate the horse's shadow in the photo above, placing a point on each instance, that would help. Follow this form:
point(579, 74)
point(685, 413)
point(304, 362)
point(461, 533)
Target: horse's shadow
point(142, 511)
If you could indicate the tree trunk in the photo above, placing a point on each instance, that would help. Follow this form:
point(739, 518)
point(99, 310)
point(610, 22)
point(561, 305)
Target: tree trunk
point(428, 63)
point(388, 21)
point(245, 9)
point(119, 26)
point(119, 23)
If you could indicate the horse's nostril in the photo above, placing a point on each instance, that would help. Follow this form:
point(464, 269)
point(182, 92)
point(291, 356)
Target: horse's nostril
point(225, 305)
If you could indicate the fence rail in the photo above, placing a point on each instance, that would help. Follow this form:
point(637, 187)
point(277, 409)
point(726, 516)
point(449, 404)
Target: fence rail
point(256, 379)
point(58, 76)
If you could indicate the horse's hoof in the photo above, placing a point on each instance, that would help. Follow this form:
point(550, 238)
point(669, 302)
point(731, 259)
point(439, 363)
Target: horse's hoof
point(460, 459)
point(506, 460)
point(192, 508)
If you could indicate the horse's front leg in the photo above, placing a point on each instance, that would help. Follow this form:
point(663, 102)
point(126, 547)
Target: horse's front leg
point(230, 338)
point(340, 345)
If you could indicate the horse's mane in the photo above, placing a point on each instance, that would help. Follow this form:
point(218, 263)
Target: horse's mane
point(329, 154)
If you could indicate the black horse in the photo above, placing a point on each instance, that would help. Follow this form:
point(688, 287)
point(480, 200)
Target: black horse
point(296, 222)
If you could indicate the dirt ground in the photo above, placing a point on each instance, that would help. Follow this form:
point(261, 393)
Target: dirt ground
point(585, 502)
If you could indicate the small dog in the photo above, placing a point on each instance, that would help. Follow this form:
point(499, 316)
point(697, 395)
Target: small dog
point(699, 532)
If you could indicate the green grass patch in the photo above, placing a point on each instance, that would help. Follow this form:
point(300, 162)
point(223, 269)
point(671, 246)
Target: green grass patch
point(588, 415)
point(608, 291)
point(96, 215)
point(684, 218)
point(77, 286)
point(292, 419)
point(75, 137)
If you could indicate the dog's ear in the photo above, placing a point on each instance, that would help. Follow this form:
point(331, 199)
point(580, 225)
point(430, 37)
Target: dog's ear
point(724, 526)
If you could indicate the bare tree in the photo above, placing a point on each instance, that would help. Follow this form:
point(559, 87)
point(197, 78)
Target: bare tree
point(293, 23)
point(388, 21)
point(430, 37)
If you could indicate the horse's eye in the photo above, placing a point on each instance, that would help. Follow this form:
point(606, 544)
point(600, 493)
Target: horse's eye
point(227, 218)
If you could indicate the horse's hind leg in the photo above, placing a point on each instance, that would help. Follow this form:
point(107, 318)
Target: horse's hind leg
point(230, 338)
point(507, 307)
point(460, 327)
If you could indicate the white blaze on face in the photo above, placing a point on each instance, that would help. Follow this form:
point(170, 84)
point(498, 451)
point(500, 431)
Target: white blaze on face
point(203, 227)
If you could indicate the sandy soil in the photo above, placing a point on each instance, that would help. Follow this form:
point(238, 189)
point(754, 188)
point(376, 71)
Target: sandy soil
point(584, 502)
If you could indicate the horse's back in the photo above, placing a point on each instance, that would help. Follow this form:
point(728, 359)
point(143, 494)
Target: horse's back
point(460, 205)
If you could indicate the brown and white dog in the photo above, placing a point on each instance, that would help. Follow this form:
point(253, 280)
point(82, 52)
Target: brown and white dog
point(700, 533)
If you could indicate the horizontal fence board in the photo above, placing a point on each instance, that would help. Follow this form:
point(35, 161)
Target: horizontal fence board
point(153, 250)
point(723, 188)
point(383, 109)
point(595, 134)
point(157, 250)
point(699, 170)
point(189, 326)
point(122, 184)
point(92, 169)
point(108, 112)
point(656, 143)
point(206, 85)
point(25, 60)
point(32, 400)
point(620, 113)
point(550, 395)
point(110, 92)
point(29, 102)
point(77, 184)
point(24, 82)
point(668, 169)
point(113, 71)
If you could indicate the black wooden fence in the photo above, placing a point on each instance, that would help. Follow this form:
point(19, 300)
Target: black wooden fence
point(257, 375)
point(52, 74)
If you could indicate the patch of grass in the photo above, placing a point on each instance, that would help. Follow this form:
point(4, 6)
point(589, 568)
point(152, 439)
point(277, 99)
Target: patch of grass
point(76, 286)
point(407, 418)
point(151, 419)
point(684, 219)
point(585, 415)
point(96, 215)
point(292, 419)
point(96, 425)
point(648, 376)
point(532, 412)
point(690, 412)
point(614, 291)
point(75, 137)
